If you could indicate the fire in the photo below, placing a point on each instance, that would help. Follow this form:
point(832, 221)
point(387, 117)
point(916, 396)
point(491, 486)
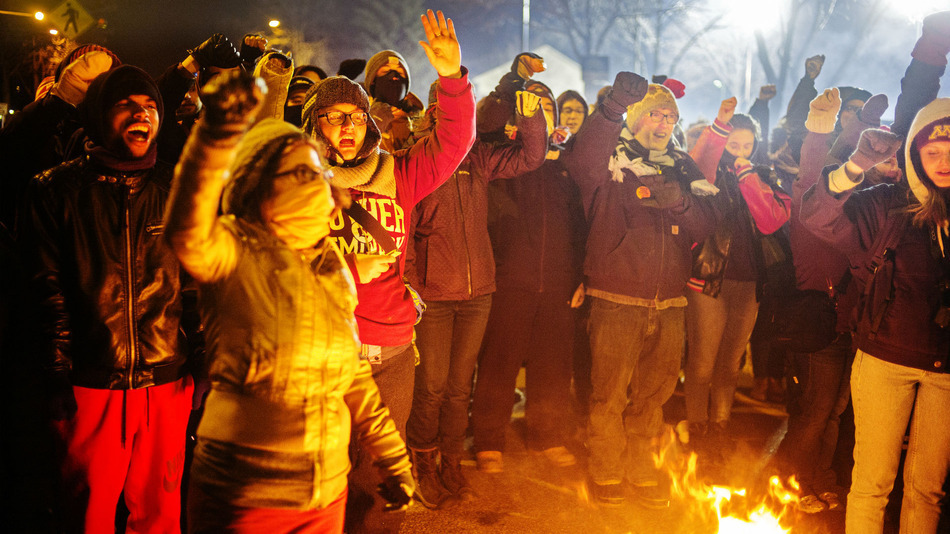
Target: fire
point(735, 510)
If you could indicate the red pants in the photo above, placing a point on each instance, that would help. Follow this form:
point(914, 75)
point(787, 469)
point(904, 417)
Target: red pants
point(147, 465)
point(207, 515)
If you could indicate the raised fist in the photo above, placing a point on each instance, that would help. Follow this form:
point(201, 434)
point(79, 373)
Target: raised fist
point(628, 88)
point(875, 146)
point(527, 64)
point(813, 66)
point(767, 92)
point(217, 51)
point(873, 109)
point(231, 100)
point(726, 110)
point(527, 103)
point(823, 112)
point(252, 47)
point(75, 78)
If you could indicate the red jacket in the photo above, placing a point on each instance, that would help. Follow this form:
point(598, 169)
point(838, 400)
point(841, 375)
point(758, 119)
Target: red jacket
point(385, 314)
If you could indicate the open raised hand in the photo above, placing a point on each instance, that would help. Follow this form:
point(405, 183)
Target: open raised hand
point(442, 47)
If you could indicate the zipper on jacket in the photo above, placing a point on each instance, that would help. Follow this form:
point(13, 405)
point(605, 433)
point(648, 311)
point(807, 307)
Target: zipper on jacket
point(468, 254)
point(129, 309)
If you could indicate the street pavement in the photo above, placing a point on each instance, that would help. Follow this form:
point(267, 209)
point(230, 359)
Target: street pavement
point(533, 496)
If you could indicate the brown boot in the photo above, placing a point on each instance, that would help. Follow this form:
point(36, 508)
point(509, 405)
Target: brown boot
point(429, 489)
point(453, 479)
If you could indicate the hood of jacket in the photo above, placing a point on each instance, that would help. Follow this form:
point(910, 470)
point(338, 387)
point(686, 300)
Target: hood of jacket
point(933, 111)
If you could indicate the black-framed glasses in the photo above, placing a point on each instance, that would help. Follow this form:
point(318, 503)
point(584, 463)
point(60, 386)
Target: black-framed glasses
point(852, 109)
point(336, 118)
point(659, 116)
point(303, 174)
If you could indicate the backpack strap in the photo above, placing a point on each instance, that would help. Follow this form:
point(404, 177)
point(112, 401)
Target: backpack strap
point(883, 249)
point(359, 214)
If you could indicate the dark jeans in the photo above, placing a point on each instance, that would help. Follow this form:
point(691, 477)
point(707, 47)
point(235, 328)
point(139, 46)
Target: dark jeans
point(364, 507)
point(820, 392)
point(536, 329)
point(448, 338)
point(636, 353)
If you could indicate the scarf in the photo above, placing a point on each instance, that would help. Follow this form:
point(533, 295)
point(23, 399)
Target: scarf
point(110, 160)
point(375, 174)
point(627, 156)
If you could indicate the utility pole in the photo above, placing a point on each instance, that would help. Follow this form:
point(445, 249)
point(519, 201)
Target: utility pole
point(525, 24)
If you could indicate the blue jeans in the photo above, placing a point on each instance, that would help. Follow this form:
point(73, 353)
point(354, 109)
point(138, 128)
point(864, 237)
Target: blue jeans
point(718, 330)
point(885, 395)
point(635, 361)
point(819, 395)
point(448, 338)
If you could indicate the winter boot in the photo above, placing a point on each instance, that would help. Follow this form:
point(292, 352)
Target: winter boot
point(429, 489)
point(453, 479)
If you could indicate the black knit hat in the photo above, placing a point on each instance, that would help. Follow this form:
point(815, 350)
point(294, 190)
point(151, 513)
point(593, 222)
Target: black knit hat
point(338, 90)
point(110, 87)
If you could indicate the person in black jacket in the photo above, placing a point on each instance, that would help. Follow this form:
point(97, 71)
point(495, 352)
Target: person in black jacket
point(117, 370)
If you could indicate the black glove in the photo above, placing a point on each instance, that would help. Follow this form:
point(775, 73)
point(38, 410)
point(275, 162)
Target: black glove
point(514, 80)
point(397, 490)
point(660, 192)
point(231, 101)
point(249, 52)
point(217, 51)
point(628, 89)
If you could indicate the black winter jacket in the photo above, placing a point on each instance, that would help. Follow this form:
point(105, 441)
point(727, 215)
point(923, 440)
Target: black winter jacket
point(107, 282)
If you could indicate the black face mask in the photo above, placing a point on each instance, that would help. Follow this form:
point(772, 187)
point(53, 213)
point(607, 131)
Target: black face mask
point(727, 159)
point(391, 88)
point(294, 115)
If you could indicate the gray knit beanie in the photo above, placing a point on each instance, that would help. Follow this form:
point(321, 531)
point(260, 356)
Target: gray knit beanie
point(338, 90)
point(380, 59)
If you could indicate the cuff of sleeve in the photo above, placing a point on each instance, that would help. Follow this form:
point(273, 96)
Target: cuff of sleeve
point(454, 86)
point(721, 129)
point(838, 181)
point(744, 171)
point(820, 123)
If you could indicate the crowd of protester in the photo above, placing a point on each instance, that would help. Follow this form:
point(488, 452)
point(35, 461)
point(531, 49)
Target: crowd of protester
point(250, 296)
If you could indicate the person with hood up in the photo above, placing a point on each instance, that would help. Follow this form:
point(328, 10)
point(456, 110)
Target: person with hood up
point(395, 108)
point(272, 448)
point(728, 271)
point(110, 293)
point(453, 268)
point(387, 187)
point(643, 221)
point(572, 110)
point(898, 239)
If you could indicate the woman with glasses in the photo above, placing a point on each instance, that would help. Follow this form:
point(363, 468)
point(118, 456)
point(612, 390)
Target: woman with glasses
point(385, 187)
point(727, 271)
point(276, 301)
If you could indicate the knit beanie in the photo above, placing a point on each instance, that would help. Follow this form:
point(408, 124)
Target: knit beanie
point(77, 53)
point(107, 89)
point(848, 93)
point(938, 130)
point(338, 90)
point(658, 96)
point(377, 61)
point(257, 157)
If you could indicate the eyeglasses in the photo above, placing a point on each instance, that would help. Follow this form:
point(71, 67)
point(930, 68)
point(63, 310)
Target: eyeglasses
point(304, 174)
point(659, 116)
point(852, 109)
point(336, 118)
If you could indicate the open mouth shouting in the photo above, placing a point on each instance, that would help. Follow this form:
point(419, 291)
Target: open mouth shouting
point(138, 137)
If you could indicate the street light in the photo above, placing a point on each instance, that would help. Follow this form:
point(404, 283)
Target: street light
point(38, 15)
point(274, 23)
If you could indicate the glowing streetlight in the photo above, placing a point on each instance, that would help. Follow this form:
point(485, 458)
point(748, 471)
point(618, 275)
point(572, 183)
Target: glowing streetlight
point(274, 23)
point(39, 15)
point(53, 31)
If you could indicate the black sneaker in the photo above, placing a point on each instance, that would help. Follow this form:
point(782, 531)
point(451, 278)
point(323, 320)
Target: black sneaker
point(607, 494)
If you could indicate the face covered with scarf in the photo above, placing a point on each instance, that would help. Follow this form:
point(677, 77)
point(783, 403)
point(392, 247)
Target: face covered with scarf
point(301, 205)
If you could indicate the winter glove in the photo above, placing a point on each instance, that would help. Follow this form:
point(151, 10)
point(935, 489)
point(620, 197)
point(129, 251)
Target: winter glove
point(871, 113)
point(397, 490)
point(868, 116)
point(823, 112)
point(231, 102)
point(659, 192)
point(767, 92)
point(813, 66)
point(934, 43)
point(276, 69)
point(527, 103)
point(874, 147)
point(252, 48)
point(628, 89)
point(676, 87)
point(216, 51)
point(527, 64)
point(76, 77)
